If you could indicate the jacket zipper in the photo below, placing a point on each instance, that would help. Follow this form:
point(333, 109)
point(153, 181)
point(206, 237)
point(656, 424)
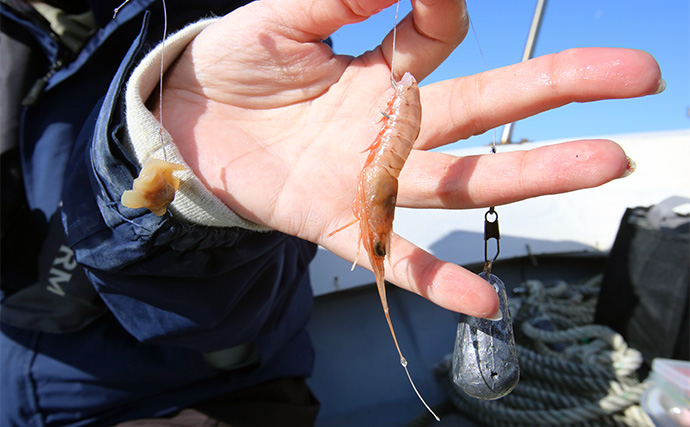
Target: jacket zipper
point(40, 84)
point(63, 54)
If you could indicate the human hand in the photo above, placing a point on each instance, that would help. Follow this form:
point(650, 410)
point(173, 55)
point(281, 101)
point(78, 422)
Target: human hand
point(275, 125)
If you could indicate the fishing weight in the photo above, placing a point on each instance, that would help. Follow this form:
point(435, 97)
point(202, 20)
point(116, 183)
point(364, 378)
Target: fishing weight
point(485, 364)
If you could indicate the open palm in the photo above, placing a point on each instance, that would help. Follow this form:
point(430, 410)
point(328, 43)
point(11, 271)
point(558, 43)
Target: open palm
point(275, 124)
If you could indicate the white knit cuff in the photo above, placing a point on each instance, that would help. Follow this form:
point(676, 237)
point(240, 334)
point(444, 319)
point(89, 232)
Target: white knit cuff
point(194, 202)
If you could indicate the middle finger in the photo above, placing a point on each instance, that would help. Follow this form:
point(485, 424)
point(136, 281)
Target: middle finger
point(440, 180)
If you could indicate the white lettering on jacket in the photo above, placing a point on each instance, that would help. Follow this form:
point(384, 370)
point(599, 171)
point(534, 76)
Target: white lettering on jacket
point(63, 264)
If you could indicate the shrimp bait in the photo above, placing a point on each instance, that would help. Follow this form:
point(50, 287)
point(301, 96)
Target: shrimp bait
point(156, 185)
point(154, 188)
point(377, 190)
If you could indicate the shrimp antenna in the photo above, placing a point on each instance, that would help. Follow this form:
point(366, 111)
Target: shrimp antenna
point(381, 285)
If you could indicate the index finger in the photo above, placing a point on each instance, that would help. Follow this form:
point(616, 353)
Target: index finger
point(458, 108)
point(426, 37)
point(309, 21)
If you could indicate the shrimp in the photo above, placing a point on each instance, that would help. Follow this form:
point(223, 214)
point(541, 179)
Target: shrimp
point(377, 190)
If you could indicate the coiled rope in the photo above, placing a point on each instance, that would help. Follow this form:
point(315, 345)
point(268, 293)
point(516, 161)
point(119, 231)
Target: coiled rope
point(572, 372)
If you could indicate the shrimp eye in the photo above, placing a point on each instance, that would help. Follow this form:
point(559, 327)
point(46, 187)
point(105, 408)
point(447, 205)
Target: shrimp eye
point(379, 248)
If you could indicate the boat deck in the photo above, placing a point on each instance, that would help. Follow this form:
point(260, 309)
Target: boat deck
point(358, 377)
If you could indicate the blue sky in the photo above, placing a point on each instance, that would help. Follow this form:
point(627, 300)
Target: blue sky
point(662, 29)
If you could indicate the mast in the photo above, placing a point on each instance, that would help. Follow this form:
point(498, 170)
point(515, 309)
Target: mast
point(507, 134)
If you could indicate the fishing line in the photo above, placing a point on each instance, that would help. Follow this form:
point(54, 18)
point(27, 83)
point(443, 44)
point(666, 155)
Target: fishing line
point(155, 186)
point(486, 68)
point(160, 85)
point(403, 361)
point(395, 36)
point(162, 66)
point(484, 361)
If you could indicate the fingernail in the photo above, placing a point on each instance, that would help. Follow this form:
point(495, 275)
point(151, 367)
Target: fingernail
point(661, 87)
point(498, 316)
point(629, 168)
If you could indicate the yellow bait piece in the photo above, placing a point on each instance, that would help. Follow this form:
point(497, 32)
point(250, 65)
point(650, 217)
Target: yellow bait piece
point(154, 188)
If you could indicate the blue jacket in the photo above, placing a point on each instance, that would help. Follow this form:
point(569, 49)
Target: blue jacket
point(170, 298)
